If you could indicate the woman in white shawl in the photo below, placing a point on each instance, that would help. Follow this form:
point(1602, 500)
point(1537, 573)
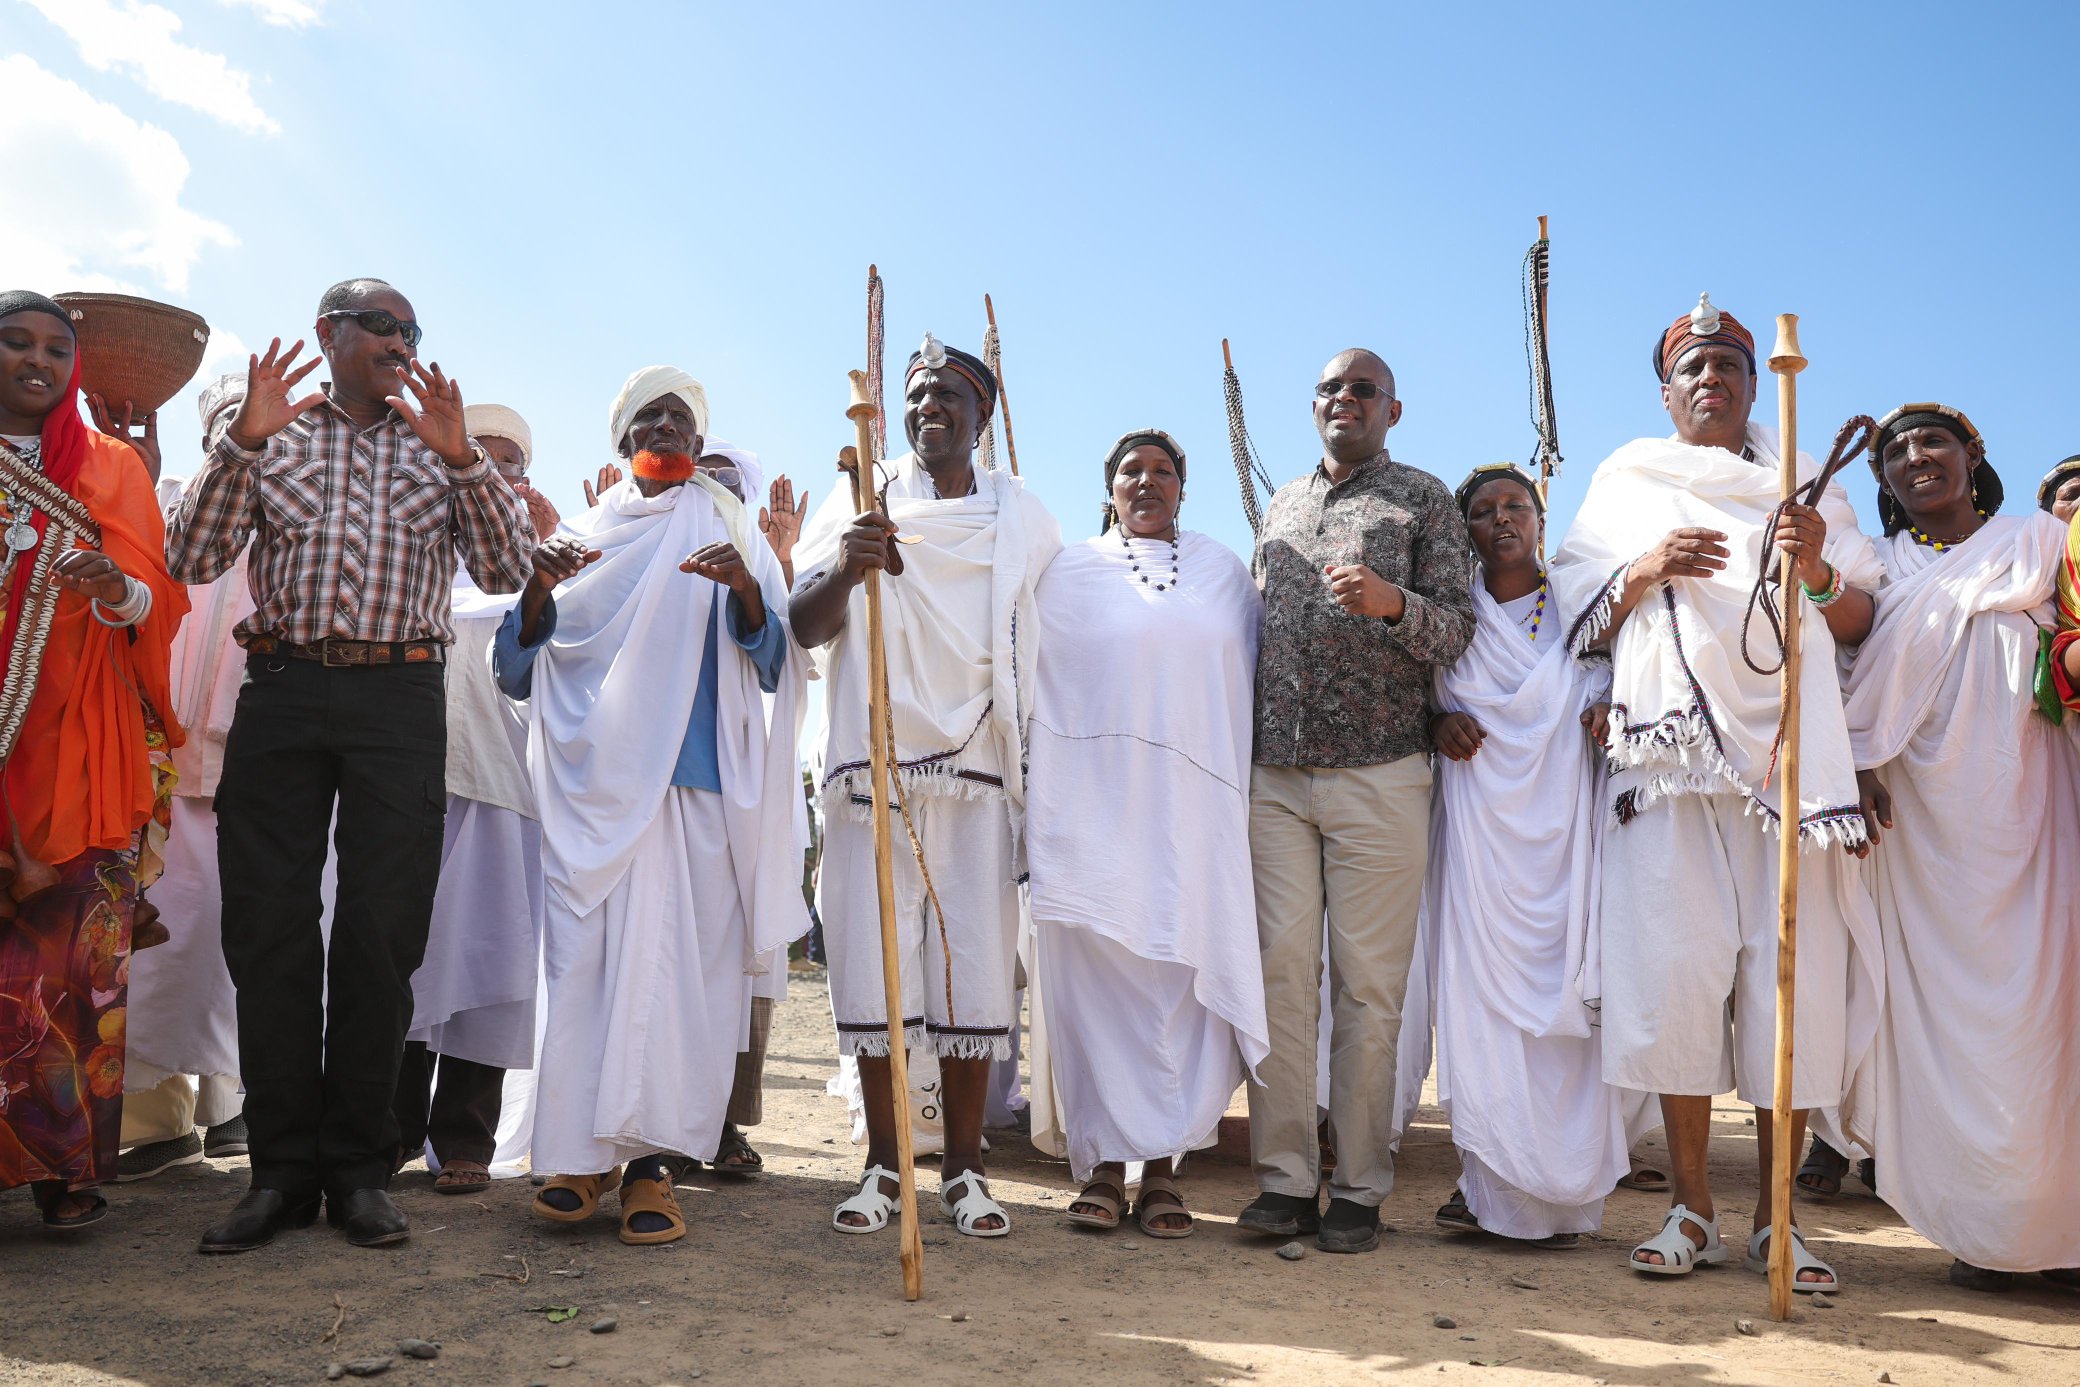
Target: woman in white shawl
point(1976, 1061)
point(1511, 894)
point(1138, 839)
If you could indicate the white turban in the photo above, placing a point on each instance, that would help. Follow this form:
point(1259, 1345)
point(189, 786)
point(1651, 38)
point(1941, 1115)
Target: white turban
point(499, 421)
point(654, 383)
point(219, 395)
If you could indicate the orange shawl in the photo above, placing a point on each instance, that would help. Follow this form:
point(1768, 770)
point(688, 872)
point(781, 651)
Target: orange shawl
point(80, 776)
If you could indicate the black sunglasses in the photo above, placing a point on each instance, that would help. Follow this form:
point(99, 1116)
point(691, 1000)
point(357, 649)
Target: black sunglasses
point(378, 323)
point(1360, 389)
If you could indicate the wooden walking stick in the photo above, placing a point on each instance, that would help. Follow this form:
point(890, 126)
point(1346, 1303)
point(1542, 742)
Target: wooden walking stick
point(993, 356)
point(1786, 362)
point(862, 412)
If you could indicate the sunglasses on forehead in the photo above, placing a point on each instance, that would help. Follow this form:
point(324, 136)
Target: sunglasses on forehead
point(1360, 389)
point(378, 323)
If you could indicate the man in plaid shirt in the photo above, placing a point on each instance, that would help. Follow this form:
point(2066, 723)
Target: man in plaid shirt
point(356, 499)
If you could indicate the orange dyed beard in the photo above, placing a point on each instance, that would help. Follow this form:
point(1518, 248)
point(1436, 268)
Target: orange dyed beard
point(662, 467)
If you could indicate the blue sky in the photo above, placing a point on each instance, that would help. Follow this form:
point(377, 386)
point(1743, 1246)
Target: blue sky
point(569, 192)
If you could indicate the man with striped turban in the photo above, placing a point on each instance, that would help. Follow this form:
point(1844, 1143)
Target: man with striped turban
point(958, 624)
point(1658, 568)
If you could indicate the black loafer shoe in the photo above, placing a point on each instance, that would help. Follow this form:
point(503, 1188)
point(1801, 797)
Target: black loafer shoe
point(1348, 1226)
point(369, 1218)
point(255, 1219)
point(1280, 1215)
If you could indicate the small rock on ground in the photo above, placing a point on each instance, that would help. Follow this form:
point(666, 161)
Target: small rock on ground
point(335, 1371)
point(1820, 1300)
point(418, 1348)
point(369, 1367)
point(1745, 1326)
point(562, 1362)
point(1444, 1322)
point(606, 1325)
point(1292, 1251)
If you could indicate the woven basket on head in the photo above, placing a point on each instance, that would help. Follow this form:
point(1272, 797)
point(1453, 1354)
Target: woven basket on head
point(134, 349)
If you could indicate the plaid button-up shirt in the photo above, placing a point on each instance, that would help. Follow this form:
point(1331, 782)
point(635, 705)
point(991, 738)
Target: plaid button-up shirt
point(355, 531)
point(1340, 690)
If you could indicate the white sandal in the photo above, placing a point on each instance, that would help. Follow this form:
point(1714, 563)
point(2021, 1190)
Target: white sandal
point(1679, 1255)
point(870, 1203)
point(974, 1206)
point(1801, 1260)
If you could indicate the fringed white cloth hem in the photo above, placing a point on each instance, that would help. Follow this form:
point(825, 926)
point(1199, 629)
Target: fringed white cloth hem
point(1682, 757)
point(849, 793)
point(873, 1044)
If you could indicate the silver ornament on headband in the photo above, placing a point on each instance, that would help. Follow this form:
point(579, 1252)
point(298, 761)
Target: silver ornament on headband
point(1704, 319)
point(932, 355)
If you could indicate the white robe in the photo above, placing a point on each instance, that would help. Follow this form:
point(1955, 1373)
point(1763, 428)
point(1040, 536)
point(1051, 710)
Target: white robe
point(1509, 905)
point(661, 901)
point(1138, 844)
point(473, 996)
point(1972, 1079)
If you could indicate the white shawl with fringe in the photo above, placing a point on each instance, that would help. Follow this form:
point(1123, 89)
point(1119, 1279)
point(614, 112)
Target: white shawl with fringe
point(613, 693)
point(1968, 1084)
point(1685, 707)
point(960, 629)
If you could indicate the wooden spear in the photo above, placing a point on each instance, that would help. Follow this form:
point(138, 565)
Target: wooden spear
point(1003, 395)
point(862, 412)
point(1786, 361)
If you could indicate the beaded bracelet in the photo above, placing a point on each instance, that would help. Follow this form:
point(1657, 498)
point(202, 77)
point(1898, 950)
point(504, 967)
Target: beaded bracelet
point(1828, 595)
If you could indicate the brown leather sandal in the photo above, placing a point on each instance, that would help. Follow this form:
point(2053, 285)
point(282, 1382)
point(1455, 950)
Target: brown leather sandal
point(460, 1177)
point(1146, 1213)
point(650, 1197)
point(589, 1189)
point(1107, 1190)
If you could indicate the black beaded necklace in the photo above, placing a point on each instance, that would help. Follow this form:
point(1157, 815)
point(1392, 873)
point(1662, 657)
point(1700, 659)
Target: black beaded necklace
point(1134, 564)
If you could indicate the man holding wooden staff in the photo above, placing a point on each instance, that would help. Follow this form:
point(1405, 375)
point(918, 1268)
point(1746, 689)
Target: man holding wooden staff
point(1661, 562)
point(962, 548)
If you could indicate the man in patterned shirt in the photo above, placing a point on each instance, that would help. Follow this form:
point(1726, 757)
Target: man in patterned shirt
point(1366, 584)
point(356, 498)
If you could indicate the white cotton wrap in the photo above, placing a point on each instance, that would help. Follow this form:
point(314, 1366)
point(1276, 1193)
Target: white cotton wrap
point(1685, 706)
point(487, 733)
point(1967, 1092)
point(613, 693)
point(1138, 803)
point(960, 630)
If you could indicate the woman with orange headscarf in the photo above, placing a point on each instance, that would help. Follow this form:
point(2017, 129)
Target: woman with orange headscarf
point(87, 612)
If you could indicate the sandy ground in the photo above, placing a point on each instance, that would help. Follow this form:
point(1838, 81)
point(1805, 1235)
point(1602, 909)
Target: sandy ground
point(762, 1291)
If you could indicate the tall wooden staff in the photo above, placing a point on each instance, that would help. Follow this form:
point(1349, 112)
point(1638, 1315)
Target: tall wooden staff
point(1786, 362)
point(993, 356)
point(858, 461)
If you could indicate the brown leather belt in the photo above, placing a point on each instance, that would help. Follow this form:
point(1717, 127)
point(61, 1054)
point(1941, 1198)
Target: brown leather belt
point(341, 654)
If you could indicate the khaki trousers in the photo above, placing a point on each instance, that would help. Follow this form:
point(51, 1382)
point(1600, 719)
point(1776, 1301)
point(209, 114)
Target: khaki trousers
point(176, 1106)
point(1354, 842)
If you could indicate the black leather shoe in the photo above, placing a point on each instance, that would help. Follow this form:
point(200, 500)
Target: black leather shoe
point(1348, 1226)
point(369, 1218)
point(255, 1220)
point(1281, 1215)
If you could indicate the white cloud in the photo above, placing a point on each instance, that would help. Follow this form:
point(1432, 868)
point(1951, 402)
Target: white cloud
point(288, 14)
point(119, 215)
point(139, 41)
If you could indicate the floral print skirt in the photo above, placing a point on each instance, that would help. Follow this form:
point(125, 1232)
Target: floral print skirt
point(64, 982)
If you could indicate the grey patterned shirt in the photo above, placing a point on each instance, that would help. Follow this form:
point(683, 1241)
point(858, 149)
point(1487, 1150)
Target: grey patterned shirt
point(1341, 690)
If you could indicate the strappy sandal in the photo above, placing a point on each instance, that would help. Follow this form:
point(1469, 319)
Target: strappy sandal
point(1801, 1260)
point(69, 1223)
point(1456, 1217)
point(1645, 1178)
point(972, 1207)
point(645, 1195)
point(1680, 1256)
point(460, 1177)
point(734, 1157)
point(1108, 1191)
point(590, 1189)
point(870, 1203)
point(1821, 1175)
point(1145, 1213)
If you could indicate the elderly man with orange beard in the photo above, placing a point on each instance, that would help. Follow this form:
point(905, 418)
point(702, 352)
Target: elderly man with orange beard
point(672, 828)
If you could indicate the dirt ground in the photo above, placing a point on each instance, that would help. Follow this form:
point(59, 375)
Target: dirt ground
point(762, 1291)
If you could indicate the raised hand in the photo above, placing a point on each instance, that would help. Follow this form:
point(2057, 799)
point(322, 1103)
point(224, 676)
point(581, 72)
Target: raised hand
point(780, 520)
point(437, 417)
point(609, 477)
point(1457, 735)
point(271, 403)
point(541, 511)
point(90, 573)
point(145, 445)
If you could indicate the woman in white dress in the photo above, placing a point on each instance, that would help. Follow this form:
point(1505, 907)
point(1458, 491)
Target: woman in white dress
point(1511, 895)
point(1138, 839)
